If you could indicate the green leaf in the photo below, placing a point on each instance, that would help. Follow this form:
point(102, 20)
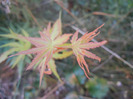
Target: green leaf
point(9, 36)
point(18, 46)
point(53, 68)
point(57, 29)
point(12, 44)
point(35, 66)
point(66, 45)
point(11, 31)
point(27, 45)
point(18, 59)
point(25, 33)
point(62, 54)
point(20, 67)
point(4, 56)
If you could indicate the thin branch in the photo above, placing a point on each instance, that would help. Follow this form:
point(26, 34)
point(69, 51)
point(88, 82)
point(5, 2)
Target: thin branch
point(60, 3)
point(105, 48)
point(33, 17)
point(102, 64)
point(53, 90)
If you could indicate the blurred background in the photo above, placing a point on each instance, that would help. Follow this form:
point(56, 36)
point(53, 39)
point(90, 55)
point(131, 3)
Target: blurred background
point(111, 78)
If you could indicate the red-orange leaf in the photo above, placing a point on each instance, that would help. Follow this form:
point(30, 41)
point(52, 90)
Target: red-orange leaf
point(82, 45)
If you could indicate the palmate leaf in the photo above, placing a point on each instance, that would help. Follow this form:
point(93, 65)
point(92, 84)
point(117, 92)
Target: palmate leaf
point(45, 46)
point(62, 54)
point(80, 47)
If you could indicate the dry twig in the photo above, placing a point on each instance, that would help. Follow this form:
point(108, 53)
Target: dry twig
point(53, 90)
point(102, 64)
point(33, 17)
point(60, 3)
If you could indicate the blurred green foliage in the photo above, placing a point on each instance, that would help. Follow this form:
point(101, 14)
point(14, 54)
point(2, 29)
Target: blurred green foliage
point(97, 87)
point(77, 77)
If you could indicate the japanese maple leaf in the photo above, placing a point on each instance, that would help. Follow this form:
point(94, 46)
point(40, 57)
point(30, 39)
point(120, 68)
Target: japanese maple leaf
point(81, 46)
point(45, 46)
